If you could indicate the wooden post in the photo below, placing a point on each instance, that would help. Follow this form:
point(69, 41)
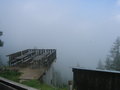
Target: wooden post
point(70, 85)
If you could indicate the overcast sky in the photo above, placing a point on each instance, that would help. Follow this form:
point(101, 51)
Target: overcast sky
point(82, 31)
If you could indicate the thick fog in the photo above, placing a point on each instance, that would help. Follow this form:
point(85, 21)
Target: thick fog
point(82, 31)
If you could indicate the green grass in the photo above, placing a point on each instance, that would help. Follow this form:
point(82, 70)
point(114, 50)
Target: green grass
point(14, 76)
point(11, 75)
point(42, 86)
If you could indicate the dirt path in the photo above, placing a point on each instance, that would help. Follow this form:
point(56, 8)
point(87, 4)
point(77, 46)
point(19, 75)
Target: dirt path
point(28, 73)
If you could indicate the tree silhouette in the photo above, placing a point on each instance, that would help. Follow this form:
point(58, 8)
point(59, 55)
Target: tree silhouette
point(100, 65)
point(113, 60)
point(1, 42)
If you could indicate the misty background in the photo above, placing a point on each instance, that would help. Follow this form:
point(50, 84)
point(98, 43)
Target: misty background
point(82, 31)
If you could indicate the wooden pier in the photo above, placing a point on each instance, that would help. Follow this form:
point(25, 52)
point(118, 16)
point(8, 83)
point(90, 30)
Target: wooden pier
point(33, 63)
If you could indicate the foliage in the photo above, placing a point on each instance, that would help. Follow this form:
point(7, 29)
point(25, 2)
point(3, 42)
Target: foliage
point(113, 60)
point(1, 63)
point(108, 63)
point(14, 76)
point(41, 86)
point(10, 74)
point(1, 42)
point(100, 65)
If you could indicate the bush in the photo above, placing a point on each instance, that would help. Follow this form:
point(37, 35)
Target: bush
point(11, 75)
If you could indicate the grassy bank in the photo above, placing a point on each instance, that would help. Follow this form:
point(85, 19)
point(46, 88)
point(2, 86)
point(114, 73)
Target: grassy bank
point(11, 75)
point(14, 76)
point(42, 86)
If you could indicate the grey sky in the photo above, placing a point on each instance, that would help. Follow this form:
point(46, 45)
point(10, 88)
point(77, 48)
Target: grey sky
point(82, 31)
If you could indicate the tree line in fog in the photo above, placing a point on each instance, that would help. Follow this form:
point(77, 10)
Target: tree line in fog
point(112, 61)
